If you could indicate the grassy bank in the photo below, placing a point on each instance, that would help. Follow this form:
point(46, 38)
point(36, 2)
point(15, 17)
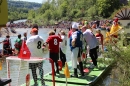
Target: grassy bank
point(120, 54)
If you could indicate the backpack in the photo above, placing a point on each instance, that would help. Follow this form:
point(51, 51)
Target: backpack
point(17, 44)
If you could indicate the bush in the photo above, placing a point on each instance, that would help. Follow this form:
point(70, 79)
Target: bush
point(120, 56)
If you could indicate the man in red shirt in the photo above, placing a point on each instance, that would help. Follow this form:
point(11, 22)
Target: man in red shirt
point(53, 42)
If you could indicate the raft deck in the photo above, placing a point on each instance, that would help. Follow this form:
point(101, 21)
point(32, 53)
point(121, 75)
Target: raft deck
point(89, 79)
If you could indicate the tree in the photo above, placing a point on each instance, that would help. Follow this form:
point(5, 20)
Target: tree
point(31, 14)
point(47, 15)
point(106, 7)
point(124, 2)
point(63, 8)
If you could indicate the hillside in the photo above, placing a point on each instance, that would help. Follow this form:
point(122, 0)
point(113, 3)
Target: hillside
point(74, 10)
point(19, 9)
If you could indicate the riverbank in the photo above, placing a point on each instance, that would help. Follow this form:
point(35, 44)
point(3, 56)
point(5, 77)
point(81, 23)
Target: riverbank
point(7, 31)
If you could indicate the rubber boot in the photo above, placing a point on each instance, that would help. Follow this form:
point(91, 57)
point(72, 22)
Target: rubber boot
point(78, 67)
point(75, 73)
point(81, 68)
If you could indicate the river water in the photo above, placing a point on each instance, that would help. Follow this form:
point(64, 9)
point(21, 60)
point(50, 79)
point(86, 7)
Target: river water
point(47, 68)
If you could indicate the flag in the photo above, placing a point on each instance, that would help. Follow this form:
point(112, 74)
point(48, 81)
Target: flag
point(0, 65)
point(66, 71)
point(24, 51)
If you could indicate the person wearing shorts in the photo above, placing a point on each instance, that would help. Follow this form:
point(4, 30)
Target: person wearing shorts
point(35, 43)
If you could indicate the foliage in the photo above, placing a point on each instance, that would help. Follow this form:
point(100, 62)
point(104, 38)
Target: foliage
point(57, 10)
point(129, 3)
point(121, 60)
point(19, 9)
point(106, 7)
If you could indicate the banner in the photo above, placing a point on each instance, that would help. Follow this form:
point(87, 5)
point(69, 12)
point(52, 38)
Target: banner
point(3, 12)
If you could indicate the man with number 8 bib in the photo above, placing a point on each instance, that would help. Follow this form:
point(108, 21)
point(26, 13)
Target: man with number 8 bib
point(53, 42)
point(35, 43)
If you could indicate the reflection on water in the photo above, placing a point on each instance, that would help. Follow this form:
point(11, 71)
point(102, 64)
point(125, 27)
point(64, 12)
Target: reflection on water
point(14, 65)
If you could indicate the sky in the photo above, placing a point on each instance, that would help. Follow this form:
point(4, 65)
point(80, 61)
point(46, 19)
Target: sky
point(38, 1)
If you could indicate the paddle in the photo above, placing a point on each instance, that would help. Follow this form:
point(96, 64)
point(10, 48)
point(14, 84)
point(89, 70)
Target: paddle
point(112, 41)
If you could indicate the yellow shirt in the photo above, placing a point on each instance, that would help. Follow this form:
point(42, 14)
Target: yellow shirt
point(107, 36)
point(115, 28)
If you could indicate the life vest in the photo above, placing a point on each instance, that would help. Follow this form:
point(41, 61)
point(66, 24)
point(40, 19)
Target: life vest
point(6, 42)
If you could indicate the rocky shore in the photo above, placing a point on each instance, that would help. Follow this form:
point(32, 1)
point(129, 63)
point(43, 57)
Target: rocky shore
point(7, 31)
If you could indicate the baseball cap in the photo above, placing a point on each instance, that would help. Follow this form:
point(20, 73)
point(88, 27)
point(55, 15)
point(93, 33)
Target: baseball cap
point(74, 26)
point(34, 30)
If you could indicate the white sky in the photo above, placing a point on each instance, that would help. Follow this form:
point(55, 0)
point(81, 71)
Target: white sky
point(38, 1)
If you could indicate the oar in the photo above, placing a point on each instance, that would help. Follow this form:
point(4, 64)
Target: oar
point(112, 41)
point(114, 33)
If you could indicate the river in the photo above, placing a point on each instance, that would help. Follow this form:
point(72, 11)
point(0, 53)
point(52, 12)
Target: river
point(47, 68)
